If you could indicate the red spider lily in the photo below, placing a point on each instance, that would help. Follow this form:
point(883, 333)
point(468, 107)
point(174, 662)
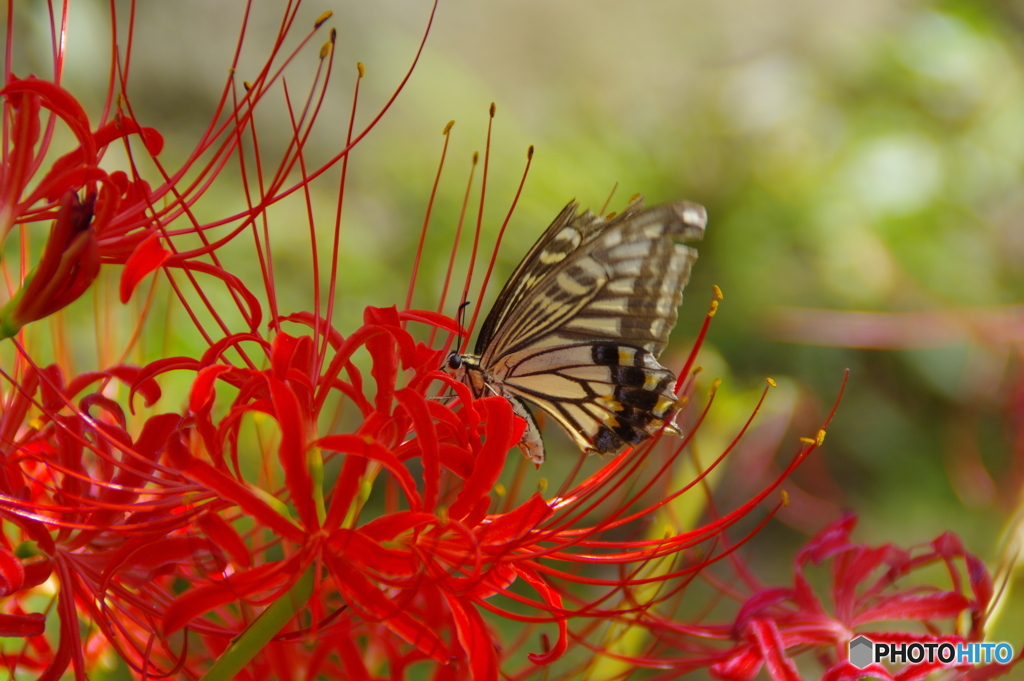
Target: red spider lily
point(295, 519)
point(171, 540)
point(135, 219)
point(168, 530)
point(17, 578)
point(75, 486)
point(82, 231)
point(867, 594)
point(410, 581)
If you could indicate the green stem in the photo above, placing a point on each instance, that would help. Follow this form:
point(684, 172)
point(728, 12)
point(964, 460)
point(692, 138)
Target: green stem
point(258, 634)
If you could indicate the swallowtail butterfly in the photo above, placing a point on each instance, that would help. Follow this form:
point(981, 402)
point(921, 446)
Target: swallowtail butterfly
point(579, 326)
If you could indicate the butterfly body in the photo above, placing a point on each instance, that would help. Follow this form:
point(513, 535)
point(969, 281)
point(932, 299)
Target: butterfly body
point(579, 326)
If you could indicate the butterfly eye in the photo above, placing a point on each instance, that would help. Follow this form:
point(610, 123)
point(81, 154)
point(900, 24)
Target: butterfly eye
point(454, 361)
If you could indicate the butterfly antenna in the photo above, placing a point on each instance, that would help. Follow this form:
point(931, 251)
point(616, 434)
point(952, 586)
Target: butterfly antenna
point(607, 201)
point(461, 319)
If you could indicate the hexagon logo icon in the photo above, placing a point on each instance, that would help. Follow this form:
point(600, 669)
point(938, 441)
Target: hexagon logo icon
point(861, 652)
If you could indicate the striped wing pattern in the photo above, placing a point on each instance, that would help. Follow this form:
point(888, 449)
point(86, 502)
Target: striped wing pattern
point(579, 326)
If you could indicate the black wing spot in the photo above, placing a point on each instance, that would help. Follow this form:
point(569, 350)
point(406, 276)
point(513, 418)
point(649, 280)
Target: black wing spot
point(630, 376)
point(606, 355)
point(628, 433)
point(637, 418)
point(637, 398)
point(607, 441)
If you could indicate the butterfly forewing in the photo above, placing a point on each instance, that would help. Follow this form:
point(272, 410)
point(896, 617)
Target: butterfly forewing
point(623, 282)
point(566, 234)
point(580, 325)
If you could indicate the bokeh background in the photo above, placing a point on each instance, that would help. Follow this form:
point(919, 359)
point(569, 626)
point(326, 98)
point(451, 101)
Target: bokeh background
point(861, 163)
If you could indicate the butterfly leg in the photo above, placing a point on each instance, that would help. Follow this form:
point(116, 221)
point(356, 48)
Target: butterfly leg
point(530, 444)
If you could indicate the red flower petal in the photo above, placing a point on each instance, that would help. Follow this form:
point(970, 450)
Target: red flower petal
point(474, 635)
point(147, 257)
point(23, 626)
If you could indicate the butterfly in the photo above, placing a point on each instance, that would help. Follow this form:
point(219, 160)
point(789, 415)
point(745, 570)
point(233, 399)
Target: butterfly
point(580, 325)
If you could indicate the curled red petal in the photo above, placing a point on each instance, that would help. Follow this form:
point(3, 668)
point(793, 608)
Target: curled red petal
point(426, 438)
point(199, 601)
point(773, 651)
point(147, 257)
point(498, 426)
point(914, 607)
point(22, 626)
point(433, 319)
point(12, 573)
point(474, 636)
point(203, 391)
point(512, 526)
point(247, 500)
point(835, 537)
point(356, 445)
point(365, 596)
point(61, 102)
point(226, 537)
point(742, 665)
point(554, 602)
point(292, 451)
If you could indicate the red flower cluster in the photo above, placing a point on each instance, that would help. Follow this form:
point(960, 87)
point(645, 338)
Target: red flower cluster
point(296, 518)
point(866, 592)
point(107, 223)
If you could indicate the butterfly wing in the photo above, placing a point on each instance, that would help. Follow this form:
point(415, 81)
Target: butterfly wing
point(594, 280)
point(605, 395)
point(580, 325)
point(565, 236)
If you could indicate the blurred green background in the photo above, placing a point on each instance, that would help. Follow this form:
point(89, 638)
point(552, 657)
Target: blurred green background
point(854, 157)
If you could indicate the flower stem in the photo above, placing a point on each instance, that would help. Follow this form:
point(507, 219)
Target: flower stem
point(258, 634)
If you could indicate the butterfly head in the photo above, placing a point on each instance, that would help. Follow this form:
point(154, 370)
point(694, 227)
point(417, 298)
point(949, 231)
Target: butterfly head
point(466, 369)
point(454, 366)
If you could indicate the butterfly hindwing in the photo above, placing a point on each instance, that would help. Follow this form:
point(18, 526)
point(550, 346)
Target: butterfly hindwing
point(605, 395)
point(579, 326)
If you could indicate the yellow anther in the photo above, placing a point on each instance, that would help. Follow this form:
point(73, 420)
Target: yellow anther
point(807, 440)
point(785, 498)
point(448, 128)
point(362, 69)
point(542, 485)
point(325, 49)
point(713, 308)
point(718, 292)
point(771, 382)
point(499, 489)
point(820, 438)
point(322, 18)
